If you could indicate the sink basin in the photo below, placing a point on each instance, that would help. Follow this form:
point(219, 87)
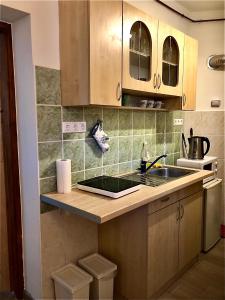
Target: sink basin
point(170, 172)
point(156, 177)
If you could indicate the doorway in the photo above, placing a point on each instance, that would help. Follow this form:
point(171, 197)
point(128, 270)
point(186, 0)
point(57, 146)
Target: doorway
point(11, 264)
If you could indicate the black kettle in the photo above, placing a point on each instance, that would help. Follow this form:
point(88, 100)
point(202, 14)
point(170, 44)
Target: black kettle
point(196, 147)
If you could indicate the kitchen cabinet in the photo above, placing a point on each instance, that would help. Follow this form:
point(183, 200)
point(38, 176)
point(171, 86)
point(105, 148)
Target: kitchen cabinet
point(90, 52)
point(163, 232)
point(155, 243)
point(139, 50)
point(190, 228)
point(170, 60)
point(189, 73)
point(152, 54)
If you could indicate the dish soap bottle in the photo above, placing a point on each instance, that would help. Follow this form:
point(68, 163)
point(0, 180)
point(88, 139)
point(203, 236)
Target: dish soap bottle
point(144, 157)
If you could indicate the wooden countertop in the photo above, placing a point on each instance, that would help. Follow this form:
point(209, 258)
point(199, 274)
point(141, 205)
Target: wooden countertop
point(100, 208)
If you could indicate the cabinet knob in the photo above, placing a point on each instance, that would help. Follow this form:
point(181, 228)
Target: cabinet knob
point(118, 91)
point(159, 81)
point(155, 81)
point(178, 213)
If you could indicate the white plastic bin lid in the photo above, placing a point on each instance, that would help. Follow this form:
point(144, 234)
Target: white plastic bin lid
point(97, 265)
point(72, 277)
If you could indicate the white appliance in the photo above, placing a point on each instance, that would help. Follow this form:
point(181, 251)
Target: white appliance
point(208, 163)
point(212, 198)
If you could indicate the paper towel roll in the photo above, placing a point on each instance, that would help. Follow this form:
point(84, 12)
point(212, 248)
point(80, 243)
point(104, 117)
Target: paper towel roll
point(63, 168)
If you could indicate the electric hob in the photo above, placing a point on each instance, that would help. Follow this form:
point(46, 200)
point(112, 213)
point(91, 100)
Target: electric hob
point(113, 187)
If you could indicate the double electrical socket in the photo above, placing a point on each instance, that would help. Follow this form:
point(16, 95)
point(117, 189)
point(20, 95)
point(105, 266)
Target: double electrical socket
point(68, 127)
point(177, 122)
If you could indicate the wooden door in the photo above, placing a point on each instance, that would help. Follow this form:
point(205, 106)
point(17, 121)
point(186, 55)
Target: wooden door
point(163, 231)
point(4, 257)
point(139, 54)
point(105, 52)
point(170, 60)
point(190, 233)
point(190, 73)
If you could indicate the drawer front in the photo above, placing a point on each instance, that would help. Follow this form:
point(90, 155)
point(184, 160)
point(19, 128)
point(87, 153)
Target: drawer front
point(174, 197)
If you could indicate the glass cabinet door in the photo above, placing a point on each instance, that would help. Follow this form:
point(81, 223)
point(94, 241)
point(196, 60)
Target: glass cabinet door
point(170, 62)
point(140, 50)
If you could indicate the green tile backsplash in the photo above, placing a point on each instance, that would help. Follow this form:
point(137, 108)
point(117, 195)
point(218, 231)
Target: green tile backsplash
point(127, 130)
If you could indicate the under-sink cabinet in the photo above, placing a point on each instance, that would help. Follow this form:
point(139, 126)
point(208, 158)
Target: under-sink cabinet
point(154, 243)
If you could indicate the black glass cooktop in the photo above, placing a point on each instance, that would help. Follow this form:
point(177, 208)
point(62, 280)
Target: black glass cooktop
point(110, 184)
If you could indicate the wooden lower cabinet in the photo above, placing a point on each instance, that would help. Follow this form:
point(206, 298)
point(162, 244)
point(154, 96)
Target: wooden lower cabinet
point(152, 245)
point(163, 255)
point(190, 229)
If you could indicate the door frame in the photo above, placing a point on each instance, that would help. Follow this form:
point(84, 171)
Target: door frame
point(11, 165)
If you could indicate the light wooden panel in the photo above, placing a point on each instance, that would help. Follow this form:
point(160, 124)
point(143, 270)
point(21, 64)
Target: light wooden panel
point(190, 228)
point(100, 208)
point(105, 52)
point(163, 32)
point(130, 16)
point(124, 241)
point(74, 52)
point(163, 231)
point(190, 73)
point(4, 259)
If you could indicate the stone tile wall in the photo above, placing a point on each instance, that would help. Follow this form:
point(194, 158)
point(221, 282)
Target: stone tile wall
point(127, 129)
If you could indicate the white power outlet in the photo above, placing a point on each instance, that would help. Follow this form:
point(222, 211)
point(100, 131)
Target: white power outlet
point(177, 122)
point(68, 127)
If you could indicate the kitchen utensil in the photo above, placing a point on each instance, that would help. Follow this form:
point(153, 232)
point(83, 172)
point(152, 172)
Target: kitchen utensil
point(191, 132)
point(184, 146)
point(196, 146)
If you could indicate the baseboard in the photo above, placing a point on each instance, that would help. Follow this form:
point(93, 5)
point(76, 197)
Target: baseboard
point(222, 231)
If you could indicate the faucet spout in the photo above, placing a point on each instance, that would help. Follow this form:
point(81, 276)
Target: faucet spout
point(155, 161)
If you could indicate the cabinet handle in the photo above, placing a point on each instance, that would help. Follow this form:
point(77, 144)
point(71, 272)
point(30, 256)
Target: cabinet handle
point(165, 199)
point(155, 81)
point(182, 211)
point(184, 99)
point(178, 213)
point(118, 91)
point(159, 81)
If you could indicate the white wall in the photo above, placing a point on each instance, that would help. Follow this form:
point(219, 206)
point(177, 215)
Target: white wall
point(35, 42)
point(210, 84)
point(44, 29)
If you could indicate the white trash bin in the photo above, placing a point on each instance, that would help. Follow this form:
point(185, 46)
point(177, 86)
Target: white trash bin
point(103, 272)
point(71, 282)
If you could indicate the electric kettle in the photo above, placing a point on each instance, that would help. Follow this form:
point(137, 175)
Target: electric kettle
point(196, 147)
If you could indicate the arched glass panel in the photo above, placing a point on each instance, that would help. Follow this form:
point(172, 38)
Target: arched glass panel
point(140, 52)
point(170, 65)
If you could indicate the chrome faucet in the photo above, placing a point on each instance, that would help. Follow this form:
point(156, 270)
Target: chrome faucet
point(155, 161)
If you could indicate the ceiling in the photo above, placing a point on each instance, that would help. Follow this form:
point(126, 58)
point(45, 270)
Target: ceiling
point(198, 10)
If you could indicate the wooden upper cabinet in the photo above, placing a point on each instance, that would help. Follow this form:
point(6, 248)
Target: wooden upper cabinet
point(91, 52)
point(190, 73)
point(139, 50)
point(170, 60)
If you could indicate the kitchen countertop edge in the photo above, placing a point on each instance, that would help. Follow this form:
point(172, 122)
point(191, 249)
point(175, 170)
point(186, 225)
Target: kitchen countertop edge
point(95, 214)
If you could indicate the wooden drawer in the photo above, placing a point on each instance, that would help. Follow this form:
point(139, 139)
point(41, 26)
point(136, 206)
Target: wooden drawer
point(174, 197)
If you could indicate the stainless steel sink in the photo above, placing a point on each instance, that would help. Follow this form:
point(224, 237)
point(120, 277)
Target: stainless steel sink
point(170, 172)
point(156, 177)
